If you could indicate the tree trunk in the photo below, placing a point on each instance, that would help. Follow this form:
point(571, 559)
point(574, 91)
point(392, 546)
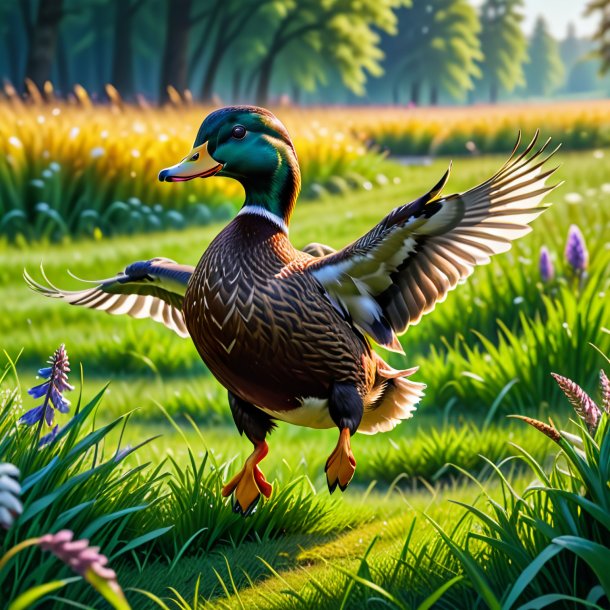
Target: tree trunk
point(237, 78)
point(493, 92)
point(44, 41)
point(433, 95)
point(175, 58)
point(207, 89)
point(396, 94)
point(264, 79)
point(296, 95)
point(415, 92)
point(122, 57)
point(63, 68)
point(14, 50)
point(99, 48)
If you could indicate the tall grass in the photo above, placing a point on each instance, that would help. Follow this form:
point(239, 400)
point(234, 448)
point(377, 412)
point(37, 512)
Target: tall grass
point(137, 513)
point(76, 481)
point(84, 169)
point(545, 545)
point(79, 169)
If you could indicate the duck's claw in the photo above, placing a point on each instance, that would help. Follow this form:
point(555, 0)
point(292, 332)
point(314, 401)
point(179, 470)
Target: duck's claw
point(248, 484)
point(341, 464)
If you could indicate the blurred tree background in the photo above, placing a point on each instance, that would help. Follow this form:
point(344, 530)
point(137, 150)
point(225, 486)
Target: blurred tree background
point(305, 51)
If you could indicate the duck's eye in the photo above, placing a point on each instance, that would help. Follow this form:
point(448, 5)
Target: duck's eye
point(195, 157)
point(238, 132)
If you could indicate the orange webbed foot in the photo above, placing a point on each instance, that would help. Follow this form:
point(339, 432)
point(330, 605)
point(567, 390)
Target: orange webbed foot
point(248, 484)
point(341, 464)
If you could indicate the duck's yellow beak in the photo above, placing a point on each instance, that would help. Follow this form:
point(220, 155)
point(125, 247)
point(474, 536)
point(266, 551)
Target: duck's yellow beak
point(197, 164)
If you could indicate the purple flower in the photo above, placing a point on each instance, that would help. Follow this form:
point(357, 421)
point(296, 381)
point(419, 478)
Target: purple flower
point(545, 265)
point(51, 390)
point(50, 437)
point(576, 250)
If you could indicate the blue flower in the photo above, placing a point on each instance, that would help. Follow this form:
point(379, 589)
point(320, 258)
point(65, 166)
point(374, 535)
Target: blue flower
point(51, 390)
point(50, 437)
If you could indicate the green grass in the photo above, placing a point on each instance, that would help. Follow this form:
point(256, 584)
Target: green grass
point(302, 549)
point(146, 362)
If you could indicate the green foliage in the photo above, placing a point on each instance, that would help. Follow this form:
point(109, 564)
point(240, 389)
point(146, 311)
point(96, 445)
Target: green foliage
point(442, 454)
point(536, 542)
point(76, 481)
point(601, 35)
point(544, 73)
point(556, 338)
point(439, 47)
point(136, 514)
point(533, 545)
point(503, 45)
point(71, 170)
point(342, 34)
point(147, 363)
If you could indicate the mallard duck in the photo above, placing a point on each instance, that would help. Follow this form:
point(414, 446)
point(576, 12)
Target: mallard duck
point(289, 333)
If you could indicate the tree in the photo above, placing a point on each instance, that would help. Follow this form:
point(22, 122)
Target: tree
point(225, 28)
point(580, 63)
point(341, 30)
point(43, 41)
point(122, 56)
point(439, 47)
point(504, 46)
point(602, 34)
point(174, 70)
point(545, 72)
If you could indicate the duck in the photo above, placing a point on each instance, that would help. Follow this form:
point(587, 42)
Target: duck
point(291, 333)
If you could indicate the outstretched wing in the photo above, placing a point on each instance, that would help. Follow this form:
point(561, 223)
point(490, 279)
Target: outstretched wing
point(398, 271)
point(146, 289)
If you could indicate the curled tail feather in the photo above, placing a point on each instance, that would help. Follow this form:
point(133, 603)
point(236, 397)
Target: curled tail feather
point(392, 399)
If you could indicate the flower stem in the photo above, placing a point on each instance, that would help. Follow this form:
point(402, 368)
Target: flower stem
point(16, 549)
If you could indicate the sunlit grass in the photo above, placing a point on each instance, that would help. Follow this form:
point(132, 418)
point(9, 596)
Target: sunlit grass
point(70, 169)
point(79, 169)
point(146, 361)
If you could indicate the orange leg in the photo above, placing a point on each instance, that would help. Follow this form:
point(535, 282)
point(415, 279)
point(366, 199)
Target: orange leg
point(341, 464)
point(248, 484)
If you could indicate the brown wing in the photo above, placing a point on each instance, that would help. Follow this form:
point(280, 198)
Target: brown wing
point(406, 264)
point(146, 289)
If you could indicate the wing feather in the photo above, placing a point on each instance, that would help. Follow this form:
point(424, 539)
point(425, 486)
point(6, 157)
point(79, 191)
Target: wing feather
point(145, 289)
point(420, 251)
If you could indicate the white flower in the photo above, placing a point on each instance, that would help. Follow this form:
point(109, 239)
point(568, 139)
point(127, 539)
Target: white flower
point(97, 152)
point(573, 198)
point(15, 141)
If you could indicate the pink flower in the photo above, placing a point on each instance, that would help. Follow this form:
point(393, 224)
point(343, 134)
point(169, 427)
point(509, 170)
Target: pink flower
point(583, 404)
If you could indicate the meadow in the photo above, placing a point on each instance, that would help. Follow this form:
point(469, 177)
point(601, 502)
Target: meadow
point(398, 537)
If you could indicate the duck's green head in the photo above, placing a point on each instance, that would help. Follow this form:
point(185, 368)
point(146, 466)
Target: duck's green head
point(252, 146)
